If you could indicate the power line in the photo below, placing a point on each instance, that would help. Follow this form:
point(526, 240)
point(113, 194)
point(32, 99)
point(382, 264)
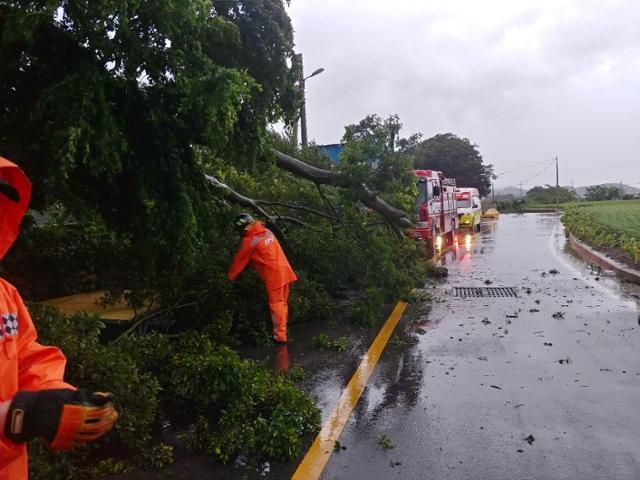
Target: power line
point(546, 167)
point(541, 171)
point(525, 167)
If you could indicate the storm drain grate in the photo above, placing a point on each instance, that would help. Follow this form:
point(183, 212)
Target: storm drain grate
point(485, 292)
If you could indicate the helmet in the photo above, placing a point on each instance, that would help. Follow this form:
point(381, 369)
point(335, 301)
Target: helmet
point(242, 221)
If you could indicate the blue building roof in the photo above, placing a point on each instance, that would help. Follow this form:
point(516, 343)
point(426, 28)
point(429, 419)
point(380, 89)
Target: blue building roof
point(332, 150)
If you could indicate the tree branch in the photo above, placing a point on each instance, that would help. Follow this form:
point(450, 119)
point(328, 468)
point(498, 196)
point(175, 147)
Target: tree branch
point(298, 207)
point(240, 199)
point(395, 217)
point(297, 221)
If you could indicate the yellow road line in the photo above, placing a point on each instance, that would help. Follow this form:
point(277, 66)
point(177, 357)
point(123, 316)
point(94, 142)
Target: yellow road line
point(318, 455)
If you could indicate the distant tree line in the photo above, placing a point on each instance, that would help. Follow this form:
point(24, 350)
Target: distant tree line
point(551, 194)
point(603, 192)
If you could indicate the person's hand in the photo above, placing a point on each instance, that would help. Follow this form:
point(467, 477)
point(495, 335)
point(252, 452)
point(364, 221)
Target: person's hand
point(64, 418)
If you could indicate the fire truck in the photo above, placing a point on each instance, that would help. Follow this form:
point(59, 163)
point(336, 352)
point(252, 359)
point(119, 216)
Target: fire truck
point(437, 214)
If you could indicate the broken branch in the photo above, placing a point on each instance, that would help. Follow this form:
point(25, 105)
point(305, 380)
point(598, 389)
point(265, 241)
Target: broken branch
point(396, 218)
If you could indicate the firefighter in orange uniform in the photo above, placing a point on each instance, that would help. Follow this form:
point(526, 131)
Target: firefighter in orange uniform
point(261, 249)
point(34, 399)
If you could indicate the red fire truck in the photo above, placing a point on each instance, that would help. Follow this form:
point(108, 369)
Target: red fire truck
point(437, 215)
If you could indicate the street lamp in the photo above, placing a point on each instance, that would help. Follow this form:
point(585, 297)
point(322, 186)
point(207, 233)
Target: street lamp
point(317, 72)
point(303, 107)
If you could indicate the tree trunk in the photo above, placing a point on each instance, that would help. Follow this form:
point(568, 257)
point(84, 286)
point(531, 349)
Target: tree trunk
point(396, 218)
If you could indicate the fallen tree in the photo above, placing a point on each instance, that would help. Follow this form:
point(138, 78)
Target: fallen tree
point(396, 218)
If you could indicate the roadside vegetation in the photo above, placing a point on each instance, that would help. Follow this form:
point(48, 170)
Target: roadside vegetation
point(611, 226)
point(191, 386)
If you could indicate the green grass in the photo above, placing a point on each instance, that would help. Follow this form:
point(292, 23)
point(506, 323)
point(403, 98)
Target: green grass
point(620, 215)
point(613, 224)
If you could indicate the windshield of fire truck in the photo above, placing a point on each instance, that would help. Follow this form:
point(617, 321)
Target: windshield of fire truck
point(464, 203)
point(423, 194)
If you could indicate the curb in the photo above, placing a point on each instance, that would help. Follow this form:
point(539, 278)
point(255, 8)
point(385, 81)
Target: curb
point(589, 254)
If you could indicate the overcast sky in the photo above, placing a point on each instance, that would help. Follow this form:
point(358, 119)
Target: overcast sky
point(525, 80)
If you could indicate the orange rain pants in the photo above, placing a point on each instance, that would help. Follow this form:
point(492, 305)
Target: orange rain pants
point(279, 311)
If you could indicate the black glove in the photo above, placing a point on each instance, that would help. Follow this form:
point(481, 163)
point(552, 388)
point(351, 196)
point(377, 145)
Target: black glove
point(64, 418)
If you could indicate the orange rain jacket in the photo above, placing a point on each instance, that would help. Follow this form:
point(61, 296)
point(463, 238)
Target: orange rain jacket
point(261, 248)
point(24, 363)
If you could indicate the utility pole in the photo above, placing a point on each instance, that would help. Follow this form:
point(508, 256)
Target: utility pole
point(294, 133)
point(520, 189)
point(297, 64)
point(557, 185)
point(303, 104)
point(303, 111)
point(493, 194)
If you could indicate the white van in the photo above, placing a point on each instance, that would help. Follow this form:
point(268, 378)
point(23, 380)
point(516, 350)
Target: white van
point(469, 208)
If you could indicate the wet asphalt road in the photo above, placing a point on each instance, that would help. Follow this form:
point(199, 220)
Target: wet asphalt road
point(477, 376)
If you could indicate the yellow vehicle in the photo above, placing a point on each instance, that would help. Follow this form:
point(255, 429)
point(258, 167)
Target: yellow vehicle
point(469, 208)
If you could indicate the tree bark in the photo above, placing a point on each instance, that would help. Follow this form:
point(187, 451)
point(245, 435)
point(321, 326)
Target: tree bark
point(397, 219)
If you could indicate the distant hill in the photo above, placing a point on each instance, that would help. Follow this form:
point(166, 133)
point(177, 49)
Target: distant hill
point(627, 189)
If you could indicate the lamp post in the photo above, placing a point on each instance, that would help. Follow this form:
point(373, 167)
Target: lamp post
point(303, 107)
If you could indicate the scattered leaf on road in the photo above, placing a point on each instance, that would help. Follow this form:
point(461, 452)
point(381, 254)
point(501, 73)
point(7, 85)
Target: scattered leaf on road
point(385, 442)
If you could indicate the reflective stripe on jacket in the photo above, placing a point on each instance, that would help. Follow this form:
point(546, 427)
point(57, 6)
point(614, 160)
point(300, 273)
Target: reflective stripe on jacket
point(24, 363)
point(261, 249)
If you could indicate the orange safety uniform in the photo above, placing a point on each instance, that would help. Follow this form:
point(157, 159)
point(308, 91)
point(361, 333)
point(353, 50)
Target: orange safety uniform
point(24, 363)
point(261, 249)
